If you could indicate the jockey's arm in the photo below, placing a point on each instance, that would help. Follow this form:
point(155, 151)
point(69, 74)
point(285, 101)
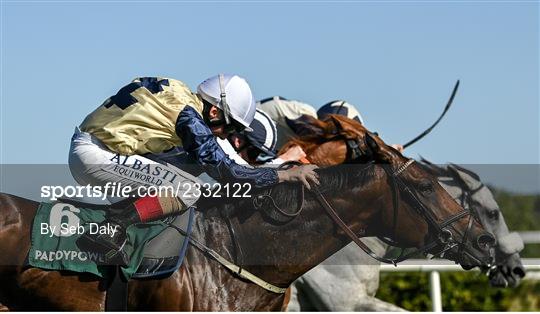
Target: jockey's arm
point(201, 144)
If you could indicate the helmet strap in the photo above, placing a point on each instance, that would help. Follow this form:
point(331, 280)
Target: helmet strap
point(223, 101)
point(341, 105)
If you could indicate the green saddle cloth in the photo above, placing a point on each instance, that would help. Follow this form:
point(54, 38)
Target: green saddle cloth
point(58, 226)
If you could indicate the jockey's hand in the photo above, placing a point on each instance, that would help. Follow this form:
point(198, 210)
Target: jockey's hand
point(294, 153)
point(398, 147)
point(303, 174)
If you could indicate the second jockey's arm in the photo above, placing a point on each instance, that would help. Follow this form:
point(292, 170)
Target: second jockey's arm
point(200, 143)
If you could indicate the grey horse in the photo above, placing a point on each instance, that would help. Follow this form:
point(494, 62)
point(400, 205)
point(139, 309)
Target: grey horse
point(349, 279)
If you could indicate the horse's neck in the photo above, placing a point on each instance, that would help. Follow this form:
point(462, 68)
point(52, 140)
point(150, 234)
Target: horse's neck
point(281, 252)
point(206, 274)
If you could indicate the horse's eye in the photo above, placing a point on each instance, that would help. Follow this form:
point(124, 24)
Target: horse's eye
point(493, 214)
point(426, 188)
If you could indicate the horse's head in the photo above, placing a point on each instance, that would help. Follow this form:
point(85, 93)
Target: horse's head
point(431, 219)
point(479, 198)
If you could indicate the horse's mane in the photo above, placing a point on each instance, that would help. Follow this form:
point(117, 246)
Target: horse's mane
point(333, 179)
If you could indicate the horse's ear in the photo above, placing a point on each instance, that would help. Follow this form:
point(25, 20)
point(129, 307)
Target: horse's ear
point(469, 178)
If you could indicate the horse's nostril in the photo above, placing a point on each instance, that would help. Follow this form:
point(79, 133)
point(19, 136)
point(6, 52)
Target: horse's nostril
point(486, 240)
point(519, 271)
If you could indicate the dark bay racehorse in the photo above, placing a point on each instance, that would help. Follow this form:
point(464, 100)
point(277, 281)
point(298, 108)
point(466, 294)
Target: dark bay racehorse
point(358, 272)
point(275, 248)
point(330, 144)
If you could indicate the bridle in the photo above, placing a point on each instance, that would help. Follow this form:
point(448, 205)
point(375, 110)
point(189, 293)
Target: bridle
point(444, 236)
point(466, 198)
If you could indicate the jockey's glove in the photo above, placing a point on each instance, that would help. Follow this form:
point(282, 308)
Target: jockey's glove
point(303, 174)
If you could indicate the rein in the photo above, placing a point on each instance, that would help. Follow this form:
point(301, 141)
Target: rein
point(258, 202)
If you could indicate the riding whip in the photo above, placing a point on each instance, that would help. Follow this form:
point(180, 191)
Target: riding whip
point(426, 132)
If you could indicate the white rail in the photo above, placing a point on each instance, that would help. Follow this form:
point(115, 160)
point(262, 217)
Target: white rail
point(434, 267)
point(530, 237)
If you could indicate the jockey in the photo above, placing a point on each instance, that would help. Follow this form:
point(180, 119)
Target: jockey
point(341, 107)
point(152, 115)
point(258, 147)
point(286, 113)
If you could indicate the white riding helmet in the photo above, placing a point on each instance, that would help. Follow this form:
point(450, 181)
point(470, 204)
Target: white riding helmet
point(232, 94)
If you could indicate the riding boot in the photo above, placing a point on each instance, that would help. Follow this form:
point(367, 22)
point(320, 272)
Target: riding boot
point(112, 245)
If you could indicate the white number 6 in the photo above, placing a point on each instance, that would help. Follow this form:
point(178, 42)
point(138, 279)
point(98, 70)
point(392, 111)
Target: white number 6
point(60, 210)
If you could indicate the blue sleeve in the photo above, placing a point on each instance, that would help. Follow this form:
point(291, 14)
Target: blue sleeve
point(199, 142)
